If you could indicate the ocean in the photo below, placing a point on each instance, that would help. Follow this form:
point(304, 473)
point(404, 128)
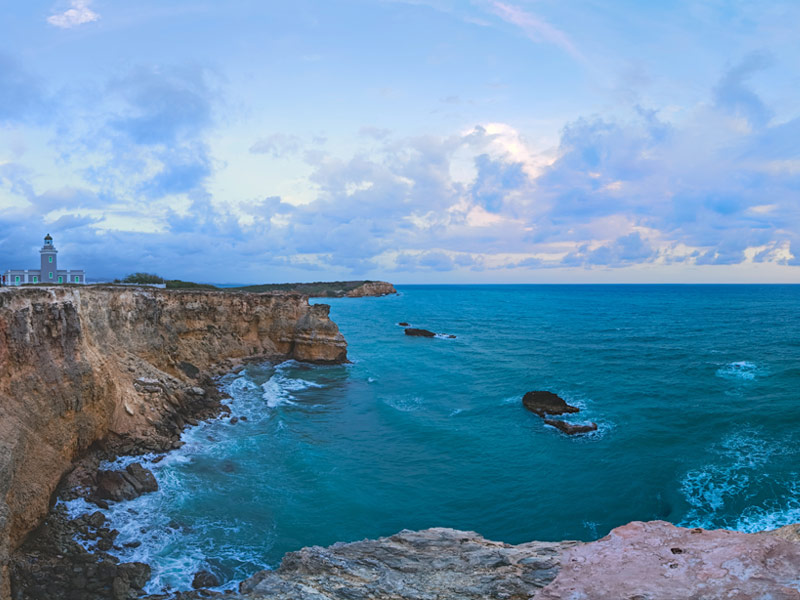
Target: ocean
point(695, 390)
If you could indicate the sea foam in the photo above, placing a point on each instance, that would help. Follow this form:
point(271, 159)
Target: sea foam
point(742, 370)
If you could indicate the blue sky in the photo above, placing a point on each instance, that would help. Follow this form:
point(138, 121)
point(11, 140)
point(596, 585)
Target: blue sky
point(408, 140)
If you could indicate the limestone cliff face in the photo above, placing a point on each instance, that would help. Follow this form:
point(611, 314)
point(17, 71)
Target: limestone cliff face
point(372, 288)
point(73, 359)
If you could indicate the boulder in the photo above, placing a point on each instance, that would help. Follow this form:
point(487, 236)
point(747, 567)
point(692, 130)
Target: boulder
point(403, 324)
point(571, 428)
point(205, 579)
point(419, 332)
point(547, 403)
point(131, 483)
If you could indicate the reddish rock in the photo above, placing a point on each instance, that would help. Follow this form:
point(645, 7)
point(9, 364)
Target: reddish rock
point(659, 561)
point(571, 428)
point(547, 403)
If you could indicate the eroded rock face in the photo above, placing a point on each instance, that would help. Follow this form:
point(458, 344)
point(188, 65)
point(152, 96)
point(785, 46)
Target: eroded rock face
point(413, 565)
point(372, 288)
point(547, 403)
point(658, 561)
point(81, 364)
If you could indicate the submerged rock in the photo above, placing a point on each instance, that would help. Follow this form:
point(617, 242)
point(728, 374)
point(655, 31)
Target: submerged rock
point(413, 565)
point(419, 332)
point(403, 324)
point(571, 428)
point(547, 403)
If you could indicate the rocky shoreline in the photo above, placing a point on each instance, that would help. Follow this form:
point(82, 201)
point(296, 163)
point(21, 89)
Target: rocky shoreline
point(92, 373)
point(53, 565)
point(97, 374)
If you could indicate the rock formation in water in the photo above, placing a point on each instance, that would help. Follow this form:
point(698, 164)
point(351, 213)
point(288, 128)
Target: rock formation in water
point(83, 364)
point(547, 403)
point(653, 561)
point(414, 332)
point(571, 428)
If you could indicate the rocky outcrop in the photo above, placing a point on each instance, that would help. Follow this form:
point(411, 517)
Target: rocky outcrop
point(372, 288)
point(547, 403)
point(413, 565)
point(571, 428)
point(82, 364)
point(414, 332)
point(653, 561)
point(131, 483)
point(659, 561)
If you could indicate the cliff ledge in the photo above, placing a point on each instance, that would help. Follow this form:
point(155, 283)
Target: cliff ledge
point(81, 364)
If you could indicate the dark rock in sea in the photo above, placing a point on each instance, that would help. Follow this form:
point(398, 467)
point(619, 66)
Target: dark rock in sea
point(204, 579)
point(131, 483)
point(403, 324)
point(571, 428)
point(97, 519)
point(243, 418)
point(419, 332)
point(547, 403)
point(451, 337)
point(234, 420)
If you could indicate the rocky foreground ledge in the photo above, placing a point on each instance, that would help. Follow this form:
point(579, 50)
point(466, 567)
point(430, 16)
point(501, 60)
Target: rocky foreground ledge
point(122, 369)
point(639, 561)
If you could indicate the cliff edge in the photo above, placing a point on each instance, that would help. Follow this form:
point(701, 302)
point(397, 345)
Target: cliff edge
point(81, 364)
point(654, 561)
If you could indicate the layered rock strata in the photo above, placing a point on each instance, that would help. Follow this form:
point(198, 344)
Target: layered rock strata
point(638, 561)
point(372, 288)
point(412, 565)
point(81, 365)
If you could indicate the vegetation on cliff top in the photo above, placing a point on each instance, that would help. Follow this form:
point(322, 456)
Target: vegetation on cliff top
point(330, 289)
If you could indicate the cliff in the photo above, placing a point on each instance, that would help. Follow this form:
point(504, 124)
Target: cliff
point(327, 289)
point(654, 560)
point(372, 288)
point(81, 364)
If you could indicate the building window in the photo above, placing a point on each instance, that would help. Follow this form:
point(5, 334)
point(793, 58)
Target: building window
point(35, 279)
point(16, 279)
point(51, 274)
point(60, 279)
point(50, 259)
point(77, 279)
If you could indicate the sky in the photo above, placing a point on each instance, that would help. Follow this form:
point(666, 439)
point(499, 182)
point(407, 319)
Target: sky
point(416, 141)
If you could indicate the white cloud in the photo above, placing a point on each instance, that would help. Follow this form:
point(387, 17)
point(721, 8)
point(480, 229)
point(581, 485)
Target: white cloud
point(78, 14)
point(536, 28)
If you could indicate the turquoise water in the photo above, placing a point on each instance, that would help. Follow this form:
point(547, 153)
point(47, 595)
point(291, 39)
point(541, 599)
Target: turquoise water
point(696, 391)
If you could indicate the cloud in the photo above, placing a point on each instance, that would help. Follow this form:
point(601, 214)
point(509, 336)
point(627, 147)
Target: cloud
point(535, 28)
point(733, 95)
point(277, 145)
point(21, 93)
point(79, 13)
point(376, 133)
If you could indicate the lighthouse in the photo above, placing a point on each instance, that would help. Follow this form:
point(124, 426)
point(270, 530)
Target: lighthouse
point(48, 271)
point(49, 257)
